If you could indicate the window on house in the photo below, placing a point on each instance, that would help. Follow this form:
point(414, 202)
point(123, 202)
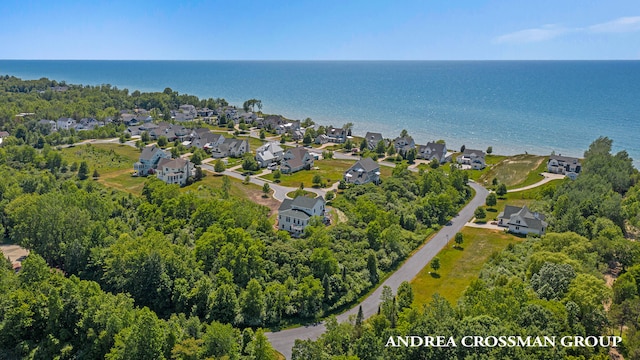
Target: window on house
point(517, 227)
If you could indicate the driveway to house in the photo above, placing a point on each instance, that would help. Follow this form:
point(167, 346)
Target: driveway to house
point(284, 340)
point(547, 177)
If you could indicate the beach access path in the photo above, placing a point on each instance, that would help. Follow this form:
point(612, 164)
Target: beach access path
point(284, 340)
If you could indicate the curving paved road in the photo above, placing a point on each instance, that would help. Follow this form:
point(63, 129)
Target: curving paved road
point(284, 340)
point(547, 177)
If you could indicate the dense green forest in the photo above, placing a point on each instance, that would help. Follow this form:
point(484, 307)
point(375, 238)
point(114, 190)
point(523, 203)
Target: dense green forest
point(553, 285)
point(187, 265)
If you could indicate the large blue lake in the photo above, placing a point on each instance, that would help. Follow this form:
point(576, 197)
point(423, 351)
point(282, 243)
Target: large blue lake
point(514, 106)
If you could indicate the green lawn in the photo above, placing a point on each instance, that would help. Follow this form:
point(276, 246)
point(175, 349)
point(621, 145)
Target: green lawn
point(515, 171)
point(459, 267)
point(331, 170)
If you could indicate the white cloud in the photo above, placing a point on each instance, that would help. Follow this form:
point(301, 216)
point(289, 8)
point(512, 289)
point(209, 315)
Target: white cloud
point(546, 32)
point(623, 24)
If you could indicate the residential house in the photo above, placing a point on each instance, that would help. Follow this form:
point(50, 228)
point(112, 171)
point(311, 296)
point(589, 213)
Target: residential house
point(206, 112)
point(296, 159)
point(474, 158)
point(336, 135)
point(269, 153)
point(404, 144)
point(50, 125)
point(294, 215)
point(230, 148)
point(271, 122)
point(149, 158)
point(364, 171)
point(89, 124)
point(568, 166)
point(522, 220)
point(322, 139)
point(203, 138)
point(373, 139)
point(174, 171)
point(65, 123)
point(432, 151)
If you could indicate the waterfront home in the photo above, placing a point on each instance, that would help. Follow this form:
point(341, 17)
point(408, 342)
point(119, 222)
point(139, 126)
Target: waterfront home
point(174, 171)
point(364, 171)
point(432, 151)
point(322, 139)
point(522, 220)
point(271, 122)
point(474, 158)
point(336, 135)
point(148, 161)
point(568, 166)
point(294, 215)
point(404, 144)
point(269, 153)
point(373, 139)
point(296, 159)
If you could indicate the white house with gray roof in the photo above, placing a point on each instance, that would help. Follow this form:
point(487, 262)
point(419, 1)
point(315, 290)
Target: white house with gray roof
point(174, 171)
point(432, 150)
point(294, 215)
point(364, 171)
point(522, 220)
point(269, 153)
point(474, 158)
point(568, 166)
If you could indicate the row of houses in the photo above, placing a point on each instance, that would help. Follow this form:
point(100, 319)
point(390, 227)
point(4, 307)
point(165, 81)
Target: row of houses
point(65, 123)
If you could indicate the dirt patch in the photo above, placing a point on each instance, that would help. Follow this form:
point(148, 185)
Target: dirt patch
point(256, 197)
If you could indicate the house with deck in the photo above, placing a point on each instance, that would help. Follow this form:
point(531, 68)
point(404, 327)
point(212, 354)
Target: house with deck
point(148, 161)
point(364, 171)
point(520, 220)
point(336, 135)
point(404, 144)
point(174, 171)
point(294, 215)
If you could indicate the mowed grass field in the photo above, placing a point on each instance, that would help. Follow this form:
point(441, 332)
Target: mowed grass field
point(458, 268)
point(515, 171)
point(331, 170)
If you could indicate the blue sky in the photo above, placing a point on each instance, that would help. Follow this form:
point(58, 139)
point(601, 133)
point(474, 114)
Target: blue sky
point(320, 30)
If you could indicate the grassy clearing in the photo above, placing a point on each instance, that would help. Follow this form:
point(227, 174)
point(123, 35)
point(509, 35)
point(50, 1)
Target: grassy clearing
point(515, 171)
point(103, 157)
point(520, 198)
point(331, 170)
point(122, 180)
point(459, 267)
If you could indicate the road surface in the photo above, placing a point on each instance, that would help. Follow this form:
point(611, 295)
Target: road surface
point(284, 340)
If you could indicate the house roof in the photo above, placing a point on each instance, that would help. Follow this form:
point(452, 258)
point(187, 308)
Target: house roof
point(468, 152)
point(177, 163)
point(149, 151)
point(367, 164)
point(373, 137)
point(532, 220)
point(566, 159)
point(301, 202)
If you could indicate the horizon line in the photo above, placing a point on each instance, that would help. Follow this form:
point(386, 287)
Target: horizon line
point(327, 60)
